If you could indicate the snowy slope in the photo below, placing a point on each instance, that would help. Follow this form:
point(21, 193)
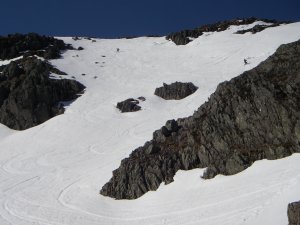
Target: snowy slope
point(52, 173)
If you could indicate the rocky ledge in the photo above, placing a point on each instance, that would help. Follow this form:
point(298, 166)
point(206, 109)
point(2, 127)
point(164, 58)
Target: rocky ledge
point(185, 36)
point(28, 96)
point(176, 91)
point(251, 117)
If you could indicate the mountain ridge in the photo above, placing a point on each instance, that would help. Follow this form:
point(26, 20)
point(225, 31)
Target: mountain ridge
point(51, 173)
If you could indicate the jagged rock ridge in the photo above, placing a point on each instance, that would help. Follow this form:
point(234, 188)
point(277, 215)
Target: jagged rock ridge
point(15, 45)
point(184, 37)
point(251, 117)
point(28, 96)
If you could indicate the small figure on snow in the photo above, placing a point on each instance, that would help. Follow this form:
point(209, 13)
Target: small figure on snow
point(118, 50)
point(245, 62)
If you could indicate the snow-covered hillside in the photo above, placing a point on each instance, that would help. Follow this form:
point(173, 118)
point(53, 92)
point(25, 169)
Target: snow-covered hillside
point(52, 173)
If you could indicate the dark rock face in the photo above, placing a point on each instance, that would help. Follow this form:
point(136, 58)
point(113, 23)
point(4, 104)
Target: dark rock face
point(294, 213)
point(251, 117)
point(129, 105)
point(28, 96)
point(177, 90)
point(183, 37)
point(15, 45)
point(257, 28)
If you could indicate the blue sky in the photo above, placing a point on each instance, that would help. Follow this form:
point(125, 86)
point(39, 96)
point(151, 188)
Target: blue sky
point(119, 18)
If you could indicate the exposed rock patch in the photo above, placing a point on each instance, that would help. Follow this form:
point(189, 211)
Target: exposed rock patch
point(294, 213)
point(16, 45)
point(257, 28)
point(129, 105)
point(28, 96)
point(251, 117)
point(184, 37)
point(141, 98)
point(176, 91)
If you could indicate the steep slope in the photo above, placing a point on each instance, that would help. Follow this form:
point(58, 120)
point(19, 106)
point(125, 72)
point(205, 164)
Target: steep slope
point(51, 173)
point(252, 117)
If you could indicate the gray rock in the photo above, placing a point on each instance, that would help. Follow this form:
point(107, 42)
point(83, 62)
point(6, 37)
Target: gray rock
point(141, 98)
point(294, 213)
point(251, 117)
point(257, 28)
point(172, 126)
point(176, 91)
point(129, 105)
point(28, 96)
point(14, 45)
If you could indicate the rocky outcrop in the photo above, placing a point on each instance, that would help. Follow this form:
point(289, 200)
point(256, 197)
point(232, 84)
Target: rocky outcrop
point(251, 117)
point(294, 213)
point(28, 96)
point(186, 36)
point(177, 90)
point(129, 105)
point(257, 28)
point(16, 45)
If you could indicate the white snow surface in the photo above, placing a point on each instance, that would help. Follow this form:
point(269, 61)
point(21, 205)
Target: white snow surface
point(5, 62)
point(51, 174)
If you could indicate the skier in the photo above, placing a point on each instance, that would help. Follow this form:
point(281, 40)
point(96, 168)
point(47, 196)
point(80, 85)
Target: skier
point(118, 49)
point(245, 61)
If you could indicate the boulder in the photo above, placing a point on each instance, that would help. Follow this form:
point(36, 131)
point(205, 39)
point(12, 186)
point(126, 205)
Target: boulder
point(141, 98)
point(129, 105)
point(175, 91)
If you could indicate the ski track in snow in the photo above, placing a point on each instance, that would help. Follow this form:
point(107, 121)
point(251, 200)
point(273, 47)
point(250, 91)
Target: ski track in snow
point(51, 174)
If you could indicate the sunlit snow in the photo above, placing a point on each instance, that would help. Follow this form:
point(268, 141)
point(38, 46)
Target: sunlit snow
point(51, 174)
